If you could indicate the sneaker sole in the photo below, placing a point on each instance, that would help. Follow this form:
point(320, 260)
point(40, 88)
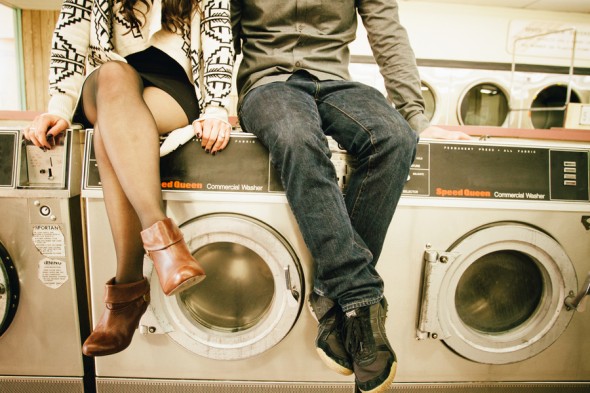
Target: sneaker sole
point(332, 365)
point(385, 385)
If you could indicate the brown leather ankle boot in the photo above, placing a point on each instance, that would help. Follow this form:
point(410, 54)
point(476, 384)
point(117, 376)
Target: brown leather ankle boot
point(176, 267)
point(125, 304)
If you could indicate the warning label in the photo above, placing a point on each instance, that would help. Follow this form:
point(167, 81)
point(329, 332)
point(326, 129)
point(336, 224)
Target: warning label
point(49, 240)
point(52, 273)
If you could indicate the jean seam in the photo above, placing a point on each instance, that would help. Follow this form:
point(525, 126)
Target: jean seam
point(361, 191)
point(360, 303)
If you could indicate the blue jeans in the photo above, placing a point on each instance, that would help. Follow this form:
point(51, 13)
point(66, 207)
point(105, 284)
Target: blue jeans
point(344, 234)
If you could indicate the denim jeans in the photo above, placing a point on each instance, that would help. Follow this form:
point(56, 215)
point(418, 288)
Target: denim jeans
point(344, 234)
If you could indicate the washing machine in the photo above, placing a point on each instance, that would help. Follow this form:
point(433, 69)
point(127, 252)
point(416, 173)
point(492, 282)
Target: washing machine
point(477, 220)
point(43, 299)
point(485, 261)
point(246, 327)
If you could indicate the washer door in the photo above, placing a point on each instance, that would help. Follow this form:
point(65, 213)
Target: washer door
point(9, 290)
point(497, 294)
point(250, 299)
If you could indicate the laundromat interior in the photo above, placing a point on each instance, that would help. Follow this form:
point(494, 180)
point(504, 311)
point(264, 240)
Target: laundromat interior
point(486, 262)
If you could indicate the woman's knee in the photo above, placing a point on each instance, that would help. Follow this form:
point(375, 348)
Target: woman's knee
point(115, 76)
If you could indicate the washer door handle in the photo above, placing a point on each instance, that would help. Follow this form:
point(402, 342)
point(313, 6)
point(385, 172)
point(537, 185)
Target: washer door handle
point(578, 302)
point(294, 300)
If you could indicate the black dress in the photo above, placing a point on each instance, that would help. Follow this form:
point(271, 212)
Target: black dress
point(158, 69)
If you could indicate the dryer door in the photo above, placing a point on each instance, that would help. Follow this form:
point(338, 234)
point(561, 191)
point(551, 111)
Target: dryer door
point(497, 294)
point(9, 290)
point(485, 104)
point(548, 106)
point(250, 299)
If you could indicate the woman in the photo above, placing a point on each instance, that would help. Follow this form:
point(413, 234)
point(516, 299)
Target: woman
point(154, 66)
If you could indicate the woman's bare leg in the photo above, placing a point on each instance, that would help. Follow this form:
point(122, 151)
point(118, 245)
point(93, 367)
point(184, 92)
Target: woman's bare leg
point(127, 120)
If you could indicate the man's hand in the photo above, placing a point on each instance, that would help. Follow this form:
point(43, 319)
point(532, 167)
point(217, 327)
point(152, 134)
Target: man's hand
point(434, 132)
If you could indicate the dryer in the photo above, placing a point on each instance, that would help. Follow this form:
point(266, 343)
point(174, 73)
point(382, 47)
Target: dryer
point(479, 97)
point(544, 97)
point(43, 306)
point(434, 86)
point(454, 95)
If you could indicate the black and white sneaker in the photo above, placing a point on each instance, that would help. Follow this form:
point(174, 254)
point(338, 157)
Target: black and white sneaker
point(329, 345)
point(374, 362)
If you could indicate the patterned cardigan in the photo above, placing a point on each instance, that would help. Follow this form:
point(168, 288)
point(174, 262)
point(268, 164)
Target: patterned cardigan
point(91, 32)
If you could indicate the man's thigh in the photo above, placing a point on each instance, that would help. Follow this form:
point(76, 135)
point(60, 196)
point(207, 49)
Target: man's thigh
point(279, 108)
point(355, 114)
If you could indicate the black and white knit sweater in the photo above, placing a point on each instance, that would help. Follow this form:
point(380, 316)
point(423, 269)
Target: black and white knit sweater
point(91, 32)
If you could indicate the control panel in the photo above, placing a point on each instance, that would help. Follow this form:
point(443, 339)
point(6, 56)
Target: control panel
point(524, 171)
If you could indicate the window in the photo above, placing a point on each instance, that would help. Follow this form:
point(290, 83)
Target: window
point(10, 76)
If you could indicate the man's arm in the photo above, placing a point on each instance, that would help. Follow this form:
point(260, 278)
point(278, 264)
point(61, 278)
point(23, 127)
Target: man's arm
point(397, 63)
point(392, 51)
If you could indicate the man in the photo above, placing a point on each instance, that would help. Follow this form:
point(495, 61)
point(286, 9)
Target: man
point(295, 90)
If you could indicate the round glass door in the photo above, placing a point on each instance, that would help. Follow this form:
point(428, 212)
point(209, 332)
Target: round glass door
point(429, 100)
point(237, 293)
point(9, 290)
point(252, 294)
point(484, 104)
point(501, 296)
point(499, 292)
point(554, 96)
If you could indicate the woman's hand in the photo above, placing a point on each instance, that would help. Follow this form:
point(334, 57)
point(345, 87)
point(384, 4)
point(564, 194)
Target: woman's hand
point(45, 130)
point(215, 134)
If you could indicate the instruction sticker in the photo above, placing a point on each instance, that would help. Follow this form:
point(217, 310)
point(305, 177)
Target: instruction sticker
point(49, 240)
point(52, 272)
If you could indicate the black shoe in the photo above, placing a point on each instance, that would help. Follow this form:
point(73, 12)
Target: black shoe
point(365, 340)
point(328, 342)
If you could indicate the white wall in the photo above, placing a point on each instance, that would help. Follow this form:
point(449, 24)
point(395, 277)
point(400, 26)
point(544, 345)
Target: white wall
point(479, 33)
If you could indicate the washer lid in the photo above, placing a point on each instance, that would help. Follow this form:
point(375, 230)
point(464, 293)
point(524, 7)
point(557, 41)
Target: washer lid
point(9, 290)
point(250, 299)
point(497, 295)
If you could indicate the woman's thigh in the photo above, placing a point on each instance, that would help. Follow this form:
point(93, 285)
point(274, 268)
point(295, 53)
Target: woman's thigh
point(167, 113)
point(121, 80)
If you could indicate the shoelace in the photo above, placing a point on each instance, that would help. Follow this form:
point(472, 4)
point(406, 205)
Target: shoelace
point(359, 339)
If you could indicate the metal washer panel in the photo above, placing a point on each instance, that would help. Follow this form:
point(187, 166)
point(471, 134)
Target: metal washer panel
point(106, 385)
point(41, 385)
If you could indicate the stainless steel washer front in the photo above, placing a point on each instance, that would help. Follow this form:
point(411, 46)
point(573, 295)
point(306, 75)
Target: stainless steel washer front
point(246, 325)
point(43, 305)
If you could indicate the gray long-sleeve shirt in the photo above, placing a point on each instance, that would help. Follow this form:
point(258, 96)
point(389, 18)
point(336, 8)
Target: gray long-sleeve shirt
point(279, 37)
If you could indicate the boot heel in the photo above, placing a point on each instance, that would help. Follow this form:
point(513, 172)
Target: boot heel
point(124, 306)
point(176, 267)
